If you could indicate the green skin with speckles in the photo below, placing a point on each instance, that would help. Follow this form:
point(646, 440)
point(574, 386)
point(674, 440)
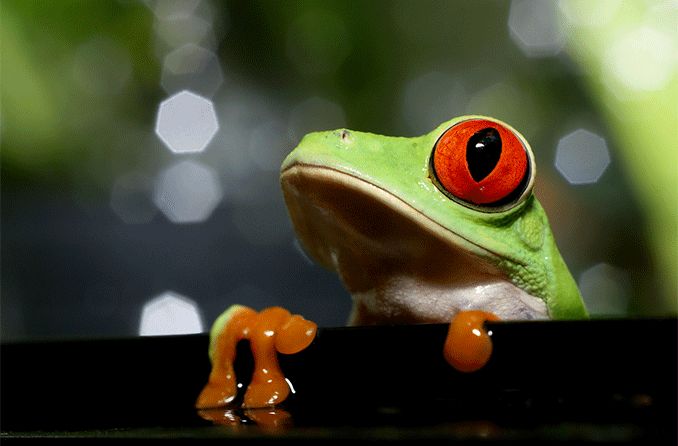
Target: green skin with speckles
point(517, 240)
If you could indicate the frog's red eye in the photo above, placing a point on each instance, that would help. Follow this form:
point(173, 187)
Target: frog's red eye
point(481, 163)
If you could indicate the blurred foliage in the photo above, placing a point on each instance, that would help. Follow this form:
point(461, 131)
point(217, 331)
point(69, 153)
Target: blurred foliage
point(57, 95)
point(639, 99)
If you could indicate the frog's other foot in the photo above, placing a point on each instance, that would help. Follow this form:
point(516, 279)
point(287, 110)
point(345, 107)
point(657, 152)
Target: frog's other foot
point(215, 395)
point(295, 335)
point(269, 392)
point(468, 346)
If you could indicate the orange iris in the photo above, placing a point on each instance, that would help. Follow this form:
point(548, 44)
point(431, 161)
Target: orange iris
point(480, 145)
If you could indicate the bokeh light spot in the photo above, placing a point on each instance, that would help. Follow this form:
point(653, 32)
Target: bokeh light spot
point(642, 59)
point(170, 314)
point(605, 290)
point(186, 122)
point(505, 100)
point(131, 198)
point(173, 33)
point(187, 192)
point(582, 157)
point(534, 27)
point(174, 9)
point(192, 67)
point(241, 111)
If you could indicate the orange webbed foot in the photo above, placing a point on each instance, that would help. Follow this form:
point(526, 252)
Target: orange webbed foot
point(270, 331)
point(468, 345)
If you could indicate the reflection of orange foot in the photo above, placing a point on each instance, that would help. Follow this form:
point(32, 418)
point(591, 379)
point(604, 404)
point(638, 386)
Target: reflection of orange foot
point(223, 417)
point(270, 418)
point(269, 331)
point(274, 329)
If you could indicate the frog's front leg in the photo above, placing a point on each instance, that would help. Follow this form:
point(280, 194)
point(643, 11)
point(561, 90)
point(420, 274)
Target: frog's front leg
point(271, 331)
point(468, 346)
point(230, 328)
point(268, 385)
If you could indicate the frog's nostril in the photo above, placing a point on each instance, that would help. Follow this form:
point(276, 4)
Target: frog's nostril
point(345, 135)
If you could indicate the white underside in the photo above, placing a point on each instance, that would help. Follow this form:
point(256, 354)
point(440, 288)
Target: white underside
point(394, 301)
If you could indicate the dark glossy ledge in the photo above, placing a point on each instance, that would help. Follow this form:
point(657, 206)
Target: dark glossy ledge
point(614, 376)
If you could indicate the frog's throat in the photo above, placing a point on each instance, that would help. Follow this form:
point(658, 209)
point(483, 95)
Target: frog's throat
point(399, 265)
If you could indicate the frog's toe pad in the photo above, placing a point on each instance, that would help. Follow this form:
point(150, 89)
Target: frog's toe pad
point(268, 393)
point(214, 395)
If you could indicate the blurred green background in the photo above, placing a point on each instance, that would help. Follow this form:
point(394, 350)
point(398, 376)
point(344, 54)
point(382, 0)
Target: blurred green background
point(107, 231)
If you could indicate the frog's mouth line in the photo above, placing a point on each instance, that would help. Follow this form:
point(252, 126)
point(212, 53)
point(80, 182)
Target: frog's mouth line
point(347, 181)
point(400, 266)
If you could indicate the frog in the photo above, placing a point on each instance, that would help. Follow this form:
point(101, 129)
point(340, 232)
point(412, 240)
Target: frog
point(438, 228)
point(422, 228)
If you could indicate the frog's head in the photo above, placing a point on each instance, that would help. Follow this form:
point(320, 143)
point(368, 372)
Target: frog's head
point(419, 228)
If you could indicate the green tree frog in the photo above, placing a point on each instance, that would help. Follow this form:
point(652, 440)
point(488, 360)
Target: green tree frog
point(437, 228)
point(422, 228)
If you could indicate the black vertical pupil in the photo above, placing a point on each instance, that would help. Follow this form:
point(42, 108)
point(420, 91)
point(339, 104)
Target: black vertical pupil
point(483, 150)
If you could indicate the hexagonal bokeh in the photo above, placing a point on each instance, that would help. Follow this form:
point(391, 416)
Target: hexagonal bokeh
point(173, 33)
point(192, 67)
point(605, 290)
point(535, 28)
point(186, 122)
point(170, 314)
point(582, 157)
point(131, 198)
point(187, 192)
point(173, 9)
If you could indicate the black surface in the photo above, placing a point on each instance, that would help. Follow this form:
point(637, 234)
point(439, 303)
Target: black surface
point(608, 380)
